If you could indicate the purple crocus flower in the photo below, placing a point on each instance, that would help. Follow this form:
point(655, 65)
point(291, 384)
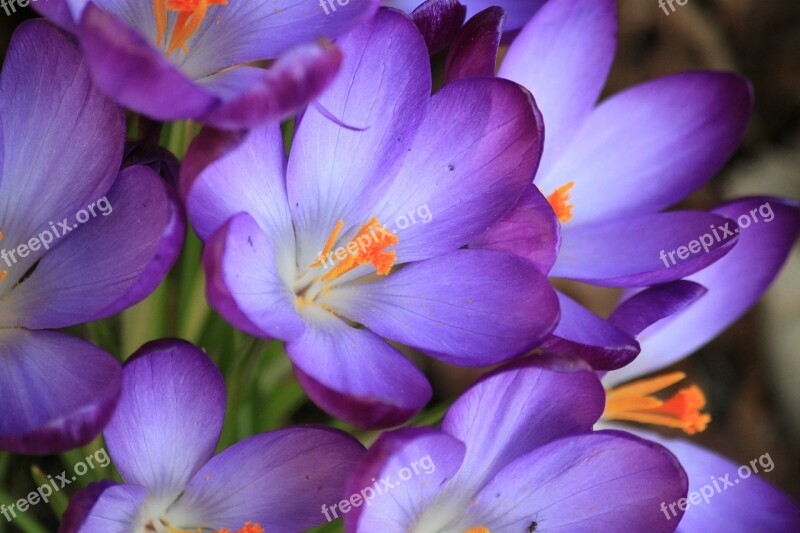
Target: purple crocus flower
point(609, 169)
point(518, 12)
point(366, 227)
point(516, 453)
point(175, 59)
point(81, 240)
point(733, 285)
point(162, 440)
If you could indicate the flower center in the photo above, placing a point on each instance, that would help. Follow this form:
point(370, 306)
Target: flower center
point(4, 273)
point(367, 247)
point(479, 529)
point(635, 402)
point(559, 201)
point(190, 16)
point(249, 527)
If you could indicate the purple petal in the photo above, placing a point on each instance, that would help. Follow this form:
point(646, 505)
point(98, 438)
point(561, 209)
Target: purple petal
point(456, 307)
point(356, 376)
point(169, 416)
point(336, 173)
point(474, 51)
point(631, 156)
point(644, 250)
point(518, 408)
point(735, 283)
point(46, 94)
point(109, 264)
point(278, 479)
point(519, 11)
point(644, 309)
point(135, 73)
point(581, 333)
point(224, 174)
point(530, 230)
point(411, 467)
point(439, 22)
point(603, 481)
point(58, 391)
point(724, 501)
point(563, 56)
point(477, 148)
point(243, 280)
point(114, 509)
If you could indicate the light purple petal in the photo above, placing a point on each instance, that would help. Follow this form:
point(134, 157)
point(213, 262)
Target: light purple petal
point(169, 417)
point(402, 473)
point(338, 173)
point(603, 481)
point(644, 250)
point(108, 264)
point(244, 283)
point(474, 51)
point(734, 283)
point(116, 510)
point(80, 505)
point(649, 147)
point(278, 479)
point(58, 391)
point(46, 94)
point(530, 230)
point(356, 376)
point(581, 333)
point(563, 56)
point(725, 501)
point(439, 22)
point(518, 408)
point(469, 307)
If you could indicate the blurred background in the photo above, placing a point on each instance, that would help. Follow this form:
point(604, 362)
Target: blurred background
point(750, 373)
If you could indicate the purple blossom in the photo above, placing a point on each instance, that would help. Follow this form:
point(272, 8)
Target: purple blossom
point(464, 155)
point(61, 146)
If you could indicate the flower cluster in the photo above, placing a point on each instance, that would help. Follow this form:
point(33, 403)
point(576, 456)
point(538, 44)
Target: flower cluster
point(321, 130)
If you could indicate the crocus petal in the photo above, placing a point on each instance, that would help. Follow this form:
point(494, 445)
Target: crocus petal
point(519, 408)
point(581, 333)
point(80, 505)
point(58, 391)
point(108, 264)
point(733, 499)
point(46, 94)
point(643, 250)
point(338, 173)
point(563, 56)
point(255, 96)
point(734, 284)
point(224, 174)
point(474, 51)
point(439, 22)
point(356, 376)
point(242, 32)
point(477, 148)
point(602, 481)
point(244, 284)
point(278, 479)
point(116, 509)
point(137, 74)
point(469, 307)
point(530, 230)
point(644, 309)
point(631, 156)
point(519, 11)
point(401, 495)
point(169, 416)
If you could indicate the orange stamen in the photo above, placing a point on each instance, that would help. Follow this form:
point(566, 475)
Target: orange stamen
point(4, 273)
point(559, 199)
point(328, 245)
point(367, 247)
point(248, 528)
point(634, 402)
point(479, 529)
point(160, 12)
point(190, 17)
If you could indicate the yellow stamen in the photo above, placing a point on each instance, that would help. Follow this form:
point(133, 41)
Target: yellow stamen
point(4, 273)
point(248, 528)
point(367, 247)
point(559, 199)
point(479, 529)
point(634, 402)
